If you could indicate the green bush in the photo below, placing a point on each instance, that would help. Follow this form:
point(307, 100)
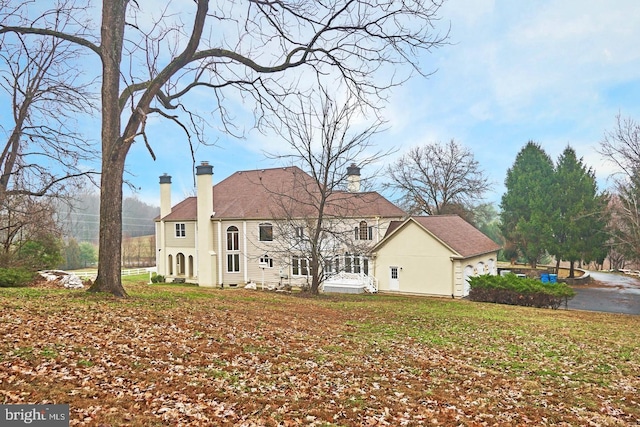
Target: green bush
point(15, 277)
point(513, 290)
point(157, 278)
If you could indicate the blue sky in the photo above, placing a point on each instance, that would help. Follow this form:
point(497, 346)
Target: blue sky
point(553, 72)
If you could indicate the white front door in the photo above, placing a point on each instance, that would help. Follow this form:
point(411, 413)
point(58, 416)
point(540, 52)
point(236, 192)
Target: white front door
point(394, 279)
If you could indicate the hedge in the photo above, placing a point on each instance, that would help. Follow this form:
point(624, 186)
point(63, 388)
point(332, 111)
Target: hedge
point(514, 290)
point(15, 277)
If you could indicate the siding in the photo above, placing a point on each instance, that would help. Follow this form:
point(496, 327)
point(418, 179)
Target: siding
point(189, 241)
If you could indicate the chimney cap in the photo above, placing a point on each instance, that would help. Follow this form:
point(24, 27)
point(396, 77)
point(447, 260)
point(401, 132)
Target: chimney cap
point(165, 179)
point(204, 169)
point(353, 170)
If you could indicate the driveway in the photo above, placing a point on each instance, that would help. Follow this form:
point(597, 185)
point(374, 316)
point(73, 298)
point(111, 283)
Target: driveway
point(608, 292)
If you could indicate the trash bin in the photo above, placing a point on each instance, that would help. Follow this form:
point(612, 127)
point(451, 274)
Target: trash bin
point(553, 278)
point(544, 277)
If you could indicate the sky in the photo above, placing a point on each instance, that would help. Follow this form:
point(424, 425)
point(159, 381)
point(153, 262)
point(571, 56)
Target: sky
point(556, 73)
point(553, 72)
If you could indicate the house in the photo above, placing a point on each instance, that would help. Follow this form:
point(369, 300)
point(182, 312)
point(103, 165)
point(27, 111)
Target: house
point(254, 225)
point(433, 255)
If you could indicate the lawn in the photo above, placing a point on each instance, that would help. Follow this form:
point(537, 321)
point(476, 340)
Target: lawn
point(182, 355)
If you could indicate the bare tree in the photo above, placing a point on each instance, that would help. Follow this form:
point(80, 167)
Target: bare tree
point(26, 219)
point(621, 146)
point(321, 138)
point(251, 48)
point(42, 154)
point(438, 179)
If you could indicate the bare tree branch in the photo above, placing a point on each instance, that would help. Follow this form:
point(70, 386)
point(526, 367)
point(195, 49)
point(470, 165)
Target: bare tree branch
point(437, 179)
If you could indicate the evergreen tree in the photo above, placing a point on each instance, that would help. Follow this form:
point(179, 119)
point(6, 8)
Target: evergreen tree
point(525, 204)
point(72, 254)
point(576, 212)
point(88, 254)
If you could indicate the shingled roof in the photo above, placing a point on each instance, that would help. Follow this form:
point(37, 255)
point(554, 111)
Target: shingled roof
point(280, 193)
point(453, 231)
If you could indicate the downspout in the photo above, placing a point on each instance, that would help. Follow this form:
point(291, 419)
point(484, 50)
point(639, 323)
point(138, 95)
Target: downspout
point(244, 244)
point(220, 251)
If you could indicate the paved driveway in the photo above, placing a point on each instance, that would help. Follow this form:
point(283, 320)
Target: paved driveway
point(608, 292)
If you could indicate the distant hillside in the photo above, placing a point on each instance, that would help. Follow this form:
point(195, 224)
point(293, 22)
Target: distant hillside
point(81, 219)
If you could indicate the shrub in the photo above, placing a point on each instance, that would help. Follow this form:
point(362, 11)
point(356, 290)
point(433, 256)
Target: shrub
point(157, 278)
point(15, 277)
point(513, 290)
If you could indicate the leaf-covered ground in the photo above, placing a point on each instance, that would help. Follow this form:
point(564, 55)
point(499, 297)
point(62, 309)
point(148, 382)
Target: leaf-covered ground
point(180, 355)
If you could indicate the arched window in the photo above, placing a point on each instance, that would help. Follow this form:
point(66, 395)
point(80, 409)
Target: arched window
point(232, 239)
point(364, 231)
point(233, 248)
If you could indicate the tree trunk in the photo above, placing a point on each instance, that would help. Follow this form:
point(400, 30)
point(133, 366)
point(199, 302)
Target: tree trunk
point(109, 279)
point(114, 152)
point(571, 270)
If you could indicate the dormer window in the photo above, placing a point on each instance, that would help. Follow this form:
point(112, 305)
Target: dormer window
point(266, 232)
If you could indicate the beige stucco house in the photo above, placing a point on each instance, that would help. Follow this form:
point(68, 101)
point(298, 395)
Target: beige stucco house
point(254, 225)
point(433, 255)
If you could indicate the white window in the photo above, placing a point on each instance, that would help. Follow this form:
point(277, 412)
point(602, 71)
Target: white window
point(363, 232)
point(233, 263)
point(299, 266)
point(232, 239)
point(266, 261)
point(299, 233)
point(233, 248)
point(181, 230)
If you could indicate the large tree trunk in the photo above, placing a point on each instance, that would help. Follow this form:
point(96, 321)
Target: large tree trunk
point(114, 152)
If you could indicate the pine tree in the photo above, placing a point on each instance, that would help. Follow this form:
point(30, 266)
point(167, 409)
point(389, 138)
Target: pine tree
point(576, 212)
point(526, 203)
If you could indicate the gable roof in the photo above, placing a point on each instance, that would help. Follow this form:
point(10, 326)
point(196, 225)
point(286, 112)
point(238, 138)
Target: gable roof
point(452, 231)
point(280, 193)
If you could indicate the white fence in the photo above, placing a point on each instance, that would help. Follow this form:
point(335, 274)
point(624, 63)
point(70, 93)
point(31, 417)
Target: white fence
point(126, 272)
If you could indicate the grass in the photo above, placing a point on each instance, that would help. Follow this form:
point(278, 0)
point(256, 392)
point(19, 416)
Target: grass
point(179, 354)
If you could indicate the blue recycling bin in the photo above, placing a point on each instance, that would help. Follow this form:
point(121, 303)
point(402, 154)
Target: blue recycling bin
point(553, 278)
point(544, 277)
